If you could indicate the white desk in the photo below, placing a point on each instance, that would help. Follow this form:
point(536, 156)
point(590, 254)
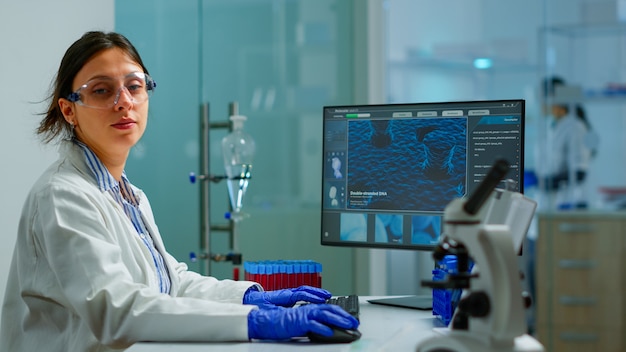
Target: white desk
point(383, 328)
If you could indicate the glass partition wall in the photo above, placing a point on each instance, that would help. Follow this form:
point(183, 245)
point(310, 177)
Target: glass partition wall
point(580, 244)
point(280, 61)
point(492, 49)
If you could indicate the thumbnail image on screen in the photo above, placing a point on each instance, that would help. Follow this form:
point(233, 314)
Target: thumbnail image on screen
point(390, 170)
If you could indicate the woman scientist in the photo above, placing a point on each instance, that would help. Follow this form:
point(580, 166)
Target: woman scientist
point(89, 270)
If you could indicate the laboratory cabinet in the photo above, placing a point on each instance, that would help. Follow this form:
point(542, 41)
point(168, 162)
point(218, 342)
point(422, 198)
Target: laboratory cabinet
point(580, 281)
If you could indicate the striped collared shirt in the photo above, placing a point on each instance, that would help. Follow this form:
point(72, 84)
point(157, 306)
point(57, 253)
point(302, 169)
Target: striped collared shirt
point(123, 194)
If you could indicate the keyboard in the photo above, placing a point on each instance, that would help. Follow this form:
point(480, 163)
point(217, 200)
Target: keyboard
point(351, 305)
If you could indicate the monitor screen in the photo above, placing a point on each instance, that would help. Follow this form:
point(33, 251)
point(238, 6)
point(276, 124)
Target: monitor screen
point(390, 170)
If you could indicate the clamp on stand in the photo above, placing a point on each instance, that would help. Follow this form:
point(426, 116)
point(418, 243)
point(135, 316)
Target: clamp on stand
point(490, 315)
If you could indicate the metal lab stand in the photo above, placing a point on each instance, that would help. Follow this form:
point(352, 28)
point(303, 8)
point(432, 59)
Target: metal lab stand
point(205, 195)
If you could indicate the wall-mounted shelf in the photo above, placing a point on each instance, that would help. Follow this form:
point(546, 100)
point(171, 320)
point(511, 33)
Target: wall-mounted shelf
point(572, 30)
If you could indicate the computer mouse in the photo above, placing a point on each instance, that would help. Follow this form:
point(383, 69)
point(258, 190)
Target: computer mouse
point(339, 336)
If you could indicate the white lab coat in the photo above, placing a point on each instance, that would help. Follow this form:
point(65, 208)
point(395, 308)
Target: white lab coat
point(567, 149)
point(81, 279)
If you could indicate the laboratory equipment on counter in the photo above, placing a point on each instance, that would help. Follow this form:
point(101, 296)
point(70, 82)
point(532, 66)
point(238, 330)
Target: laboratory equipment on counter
point(485, 228)
point(238, 150)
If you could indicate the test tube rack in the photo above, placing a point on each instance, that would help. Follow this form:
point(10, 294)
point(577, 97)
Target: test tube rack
point(282, 274)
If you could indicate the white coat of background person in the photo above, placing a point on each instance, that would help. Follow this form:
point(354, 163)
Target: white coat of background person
point(89, 269)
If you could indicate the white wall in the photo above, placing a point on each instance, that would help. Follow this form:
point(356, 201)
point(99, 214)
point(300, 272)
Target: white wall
point(34, 35)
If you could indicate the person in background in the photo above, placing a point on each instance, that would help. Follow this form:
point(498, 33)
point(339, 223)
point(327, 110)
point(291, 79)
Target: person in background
point(89, 270)
point(571, 144)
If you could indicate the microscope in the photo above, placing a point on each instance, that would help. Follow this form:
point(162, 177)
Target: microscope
point(487, 229)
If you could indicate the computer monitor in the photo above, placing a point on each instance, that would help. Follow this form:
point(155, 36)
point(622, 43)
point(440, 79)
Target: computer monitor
point(390, 170)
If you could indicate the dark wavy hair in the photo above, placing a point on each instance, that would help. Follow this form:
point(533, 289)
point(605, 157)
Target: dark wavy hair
point(53, 125)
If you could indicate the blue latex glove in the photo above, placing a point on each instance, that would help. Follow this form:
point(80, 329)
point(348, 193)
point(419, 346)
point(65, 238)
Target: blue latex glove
point(287, 297)
point(282, 323)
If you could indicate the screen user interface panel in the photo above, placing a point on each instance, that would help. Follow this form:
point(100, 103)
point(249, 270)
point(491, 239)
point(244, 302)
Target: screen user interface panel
point(390, 170)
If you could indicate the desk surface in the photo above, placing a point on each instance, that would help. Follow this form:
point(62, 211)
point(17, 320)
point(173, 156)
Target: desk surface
point(383, 328)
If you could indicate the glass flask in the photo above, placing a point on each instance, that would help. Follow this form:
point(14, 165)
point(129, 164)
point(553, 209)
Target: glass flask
point(238, 150)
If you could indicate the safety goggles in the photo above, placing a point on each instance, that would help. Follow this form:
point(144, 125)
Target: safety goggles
point(105, 92)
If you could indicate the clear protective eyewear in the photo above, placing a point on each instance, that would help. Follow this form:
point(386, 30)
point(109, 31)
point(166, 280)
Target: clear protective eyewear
point(105, 92)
